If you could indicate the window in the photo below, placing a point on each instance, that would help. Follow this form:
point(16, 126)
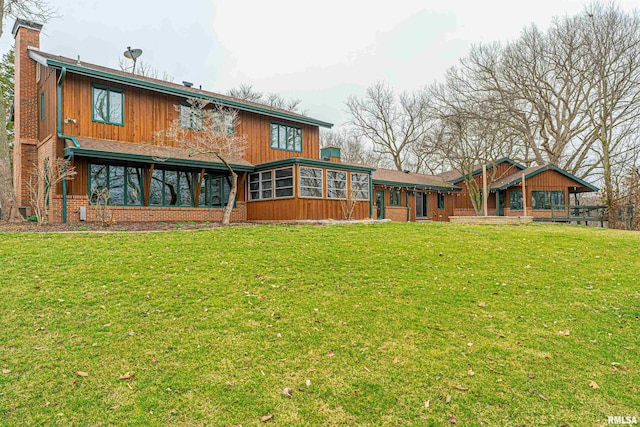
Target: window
point(421, 205)
point(260, 186)
point(284, 182)
point(310, 182)
point(515, 200)
point(440, 201)
point(394, 197)
point(42, 115)
point(336, 184)
point(286, 137)
point(108, 105)
point(360, 186)
point(190, 118)
point(124, 183)
point(545, 199)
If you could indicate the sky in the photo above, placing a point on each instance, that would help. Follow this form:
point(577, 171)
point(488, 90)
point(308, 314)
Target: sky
point(319, 52)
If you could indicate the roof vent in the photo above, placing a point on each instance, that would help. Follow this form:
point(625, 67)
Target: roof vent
point(187, 84)
point(406, 171)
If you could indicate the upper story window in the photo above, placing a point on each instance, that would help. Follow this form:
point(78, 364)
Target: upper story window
point(286, 137)
point(108, 105)
point(190, 118)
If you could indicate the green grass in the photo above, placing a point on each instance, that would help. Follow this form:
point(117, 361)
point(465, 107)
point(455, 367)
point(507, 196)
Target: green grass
point(214, 324)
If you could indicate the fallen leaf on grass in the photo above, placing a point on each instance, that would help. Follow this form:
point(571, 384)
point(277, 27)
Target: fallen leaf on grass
point(266, 418)
point(426, 404)
point(106, 325)
point(470, 372)
point(593, 384)
point(82, 374)
point(127, 376)
point(308, 383)
point(448, 399)
point(453, 420)
point(366, 369)
point(532, 375)
point(565, 332)
point(482, 304)
point(6, 371)
point(395, 360)
point(287, 392)
point(331, 354)
point(461, 388)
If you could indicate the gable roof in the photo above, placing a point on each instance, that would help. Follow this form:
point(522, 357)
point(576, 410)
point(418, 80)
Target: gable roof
point(124, 78)
point(412, 180)
point(455, 177)
point(516, 178)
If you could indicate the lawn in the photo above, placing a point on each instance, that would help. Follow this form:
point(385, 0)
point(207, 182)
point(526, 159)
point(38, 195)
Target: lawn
point(380, 324)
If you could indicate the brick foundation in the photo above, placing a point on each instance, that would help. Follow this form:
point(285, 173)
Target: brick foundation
point(142, 213)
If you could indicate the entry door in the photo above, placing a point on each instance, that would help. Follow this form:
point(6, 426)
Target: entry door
point(501, 198)
point(422, 210)
point(380, 203)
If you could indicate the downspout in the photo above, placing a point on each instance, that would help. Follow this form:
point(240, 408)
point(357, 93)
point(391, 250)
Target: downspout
point(370, 195)
point(63, 73)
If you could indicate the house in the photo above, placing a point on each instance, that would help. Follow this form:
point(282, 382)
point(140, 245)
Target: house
point(103, 121)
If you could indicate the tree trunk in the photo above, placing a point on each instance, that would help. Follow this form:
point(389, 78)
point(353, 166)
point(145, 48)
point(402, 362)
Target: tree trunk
point(7, 195)
point(226, 212)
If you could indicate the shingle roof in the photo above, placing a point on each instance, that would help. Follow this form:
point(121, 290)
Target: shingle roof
point(411, 179)
point(194, 91)
point(161, 153)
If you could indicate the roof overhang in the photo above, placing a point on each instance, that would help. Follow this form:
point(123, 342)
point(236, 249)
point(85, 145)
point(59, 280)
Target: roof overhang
point(143, 158)
point(170, 90)
point(583, 188)
point(314, 163)
point(416, 186)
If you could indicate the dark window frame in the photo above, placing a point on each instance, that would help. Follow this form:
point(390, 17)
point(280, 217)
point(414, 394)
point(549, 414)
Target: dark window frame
point(279, 145)
point(395, 197)
point(440, 201)
point(109, 90)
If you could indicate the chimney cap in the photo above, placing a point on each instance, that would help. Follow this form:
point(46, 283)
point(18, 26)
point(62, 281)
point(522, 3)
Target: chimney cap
point(25, 23)
point(187, 84)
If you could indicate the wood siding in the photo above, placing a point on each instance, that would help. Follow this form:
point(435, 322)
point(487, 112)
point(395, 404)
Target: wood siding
point(463, 202)
point(399, 213)
point(548, 180)
point(47, 84)
point(146, 112)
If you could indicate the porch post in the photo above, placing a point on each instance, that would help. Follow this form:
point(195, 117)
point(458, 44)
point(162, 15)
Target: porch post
point(485, 196)
point(524, 196)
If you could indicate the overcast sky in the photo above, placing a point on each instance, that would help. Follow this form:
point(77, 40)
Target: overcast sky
point(320, 52)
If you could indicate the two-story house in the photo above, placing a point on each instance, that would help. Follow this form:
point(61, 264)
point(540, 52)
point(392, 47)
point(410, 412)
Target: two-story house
point(104, 122)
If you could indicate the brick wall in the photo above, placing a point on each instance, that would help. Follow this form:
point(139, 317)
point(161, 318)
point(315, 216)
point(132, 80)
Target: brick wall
point(396, 213)
point(25, 110)
point(142, 213)
point(471, 212)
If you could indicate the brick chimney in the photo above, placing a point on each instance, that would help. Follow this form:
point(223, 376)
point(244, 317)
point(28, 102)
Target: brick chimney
point(25, 100)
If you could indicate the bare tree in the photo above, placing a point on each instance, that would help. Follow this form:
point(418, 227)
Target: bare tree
point(46, 175)
point(392, 123)
point(212, 132)
point(275, 100)
point(35, 10)
point(143, 69)
point(352, 147)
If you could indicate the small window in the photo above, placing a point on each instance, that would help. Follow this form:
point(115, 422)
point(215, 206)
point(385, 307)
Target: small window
point(515, 200)
point(286, 137)
point(284, 182)
point(360, 186)
point(394, 197)
point(190, 118)
point(42, 111)
point(108, 105)
point(311, 182)
point(260, 185)
point(336, 184)
point(440, 201)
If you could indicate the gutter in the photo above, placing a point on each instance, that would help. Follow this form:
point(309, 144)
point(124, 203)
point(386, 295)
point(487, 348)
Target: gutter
point(63, 73)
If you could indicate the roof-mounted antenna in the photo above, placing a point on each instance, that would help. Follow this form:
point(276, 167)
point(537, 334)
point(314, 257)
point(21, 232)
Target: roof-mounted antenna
point(78, 59)
point(132, 54)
